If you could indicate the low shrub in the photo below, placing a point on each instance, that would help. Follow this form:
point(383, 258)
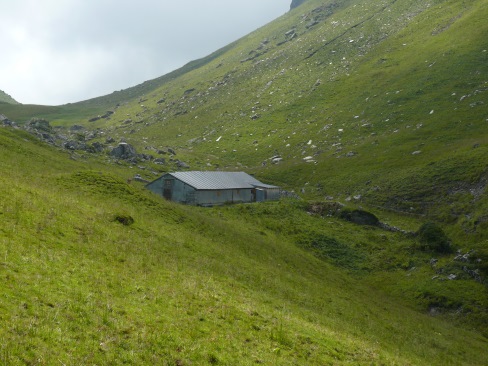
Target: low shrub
point(359, 217)
point(125, 220)
point(432, 238)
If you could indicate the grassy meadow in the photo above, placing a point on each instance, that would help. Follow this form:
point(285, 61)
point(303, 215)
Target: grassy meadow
point(376, 106)
point(183, 285)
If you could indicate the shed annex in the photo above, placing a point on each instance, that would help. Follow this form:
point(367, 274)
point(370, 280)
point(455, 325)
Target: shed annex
point(208, 188)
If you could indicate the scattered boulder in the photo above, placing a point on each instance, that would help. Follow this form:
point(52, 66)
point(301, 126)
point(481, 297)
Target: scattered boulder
point(5, 121)
point(96, 147)
point(48, 138)
point(148, 157)
point(123, 151)
point(74, 145)
point(291, 33)
point(309, 159)
point(39, 125)
point(182, 165)
point(312, 23)
point(255, 116)
point(139, 178)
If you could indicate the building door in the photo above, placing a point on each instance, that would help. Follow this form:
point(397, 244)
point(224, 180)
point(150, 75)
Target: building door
point(168, 188)
point(260, 195)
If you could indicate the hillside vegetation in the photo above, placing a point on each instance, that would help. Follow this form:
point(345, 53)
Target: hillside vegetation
point(373, 112)
point(96, 271)
point(383, 100)
point(5, 98)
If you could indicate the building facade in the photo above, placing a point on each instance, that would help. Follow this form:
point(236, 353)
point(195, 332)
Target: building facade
point(207, 188)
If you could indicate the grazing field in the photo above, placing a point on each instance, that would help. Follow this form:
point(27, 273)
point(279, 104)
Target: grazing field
point(372, 115)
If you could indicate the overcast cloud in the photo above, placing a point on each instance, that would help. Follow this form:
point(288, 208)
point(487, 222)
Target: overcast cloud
point(59, 51)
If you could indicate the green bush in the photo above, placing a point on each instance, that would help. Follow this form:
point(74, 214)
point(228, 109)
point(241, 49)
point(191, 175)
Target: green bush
point(432, 238)
point(124, 219)
point(359, 217)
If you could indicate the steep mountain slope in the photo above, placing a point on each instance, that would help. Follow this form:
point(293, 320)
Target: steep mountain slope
point(72, 113)
point(388, 96)
point(98, 271)
point(5, 98)
point(377, 104)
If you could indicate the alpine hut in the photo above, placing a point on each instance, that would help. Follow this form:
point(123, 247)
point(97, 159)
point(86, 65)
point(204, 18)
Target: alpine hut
point(209, 188)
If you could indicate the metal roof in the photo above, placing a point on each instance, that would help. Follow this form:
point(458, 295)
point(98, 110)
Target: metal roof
point(209, 180)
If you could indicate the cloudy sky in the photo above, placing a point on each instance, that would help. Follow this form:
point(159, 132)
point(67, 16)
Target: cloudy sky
point(60, 51)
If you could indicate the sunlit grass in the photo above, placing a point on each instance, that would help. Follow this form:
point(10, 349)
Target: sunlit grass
point(97, 271)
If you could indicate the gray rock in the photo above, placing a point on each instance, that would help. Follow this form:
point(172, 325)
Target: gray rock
point(48, 138)
point(148, 157)
point(255, 116)
point(124, 151)
point(39, 125)
point(74, 145)
point(138, 178)
point(96, 147)
point(5, 121)
point(290, 33)
point(181, 164)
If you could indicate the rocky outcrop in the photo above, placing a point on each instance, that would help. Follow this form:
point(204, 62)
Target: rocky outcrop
point(5, 121)
point(123, 151)
point(74, 145)
point(296, 3)
point(38, 125)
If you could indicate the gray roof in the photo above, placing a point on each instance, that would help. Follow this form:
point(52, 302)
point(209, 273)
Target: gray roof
point(219, 180)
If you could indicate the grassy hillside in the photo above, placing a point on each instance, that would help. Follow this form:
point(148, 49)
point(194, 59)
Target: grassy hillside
point(379, 105)
point(5, 98)
point(387, 99)
point(98, 271)
point(83, 111)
